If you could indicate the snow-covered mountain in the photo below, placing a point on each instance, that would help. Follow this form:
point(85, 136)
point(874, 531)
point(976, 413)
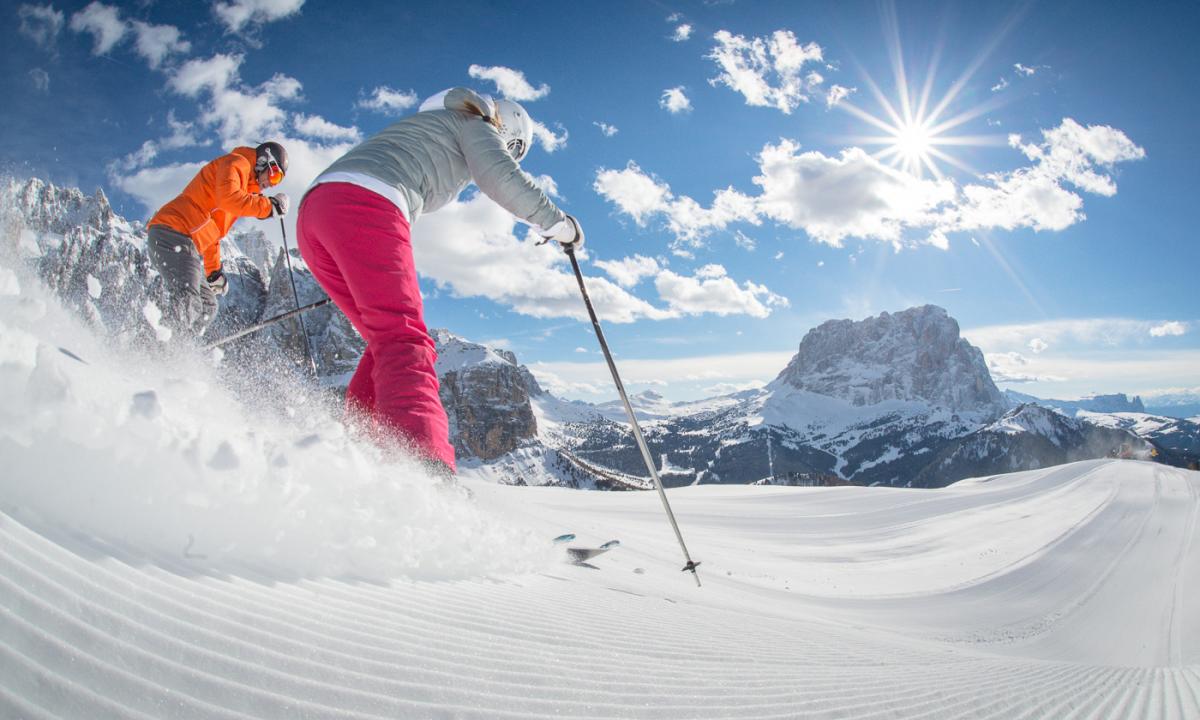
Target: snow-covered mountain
point(914, 355)
point(1114, 403)
point(869, 402)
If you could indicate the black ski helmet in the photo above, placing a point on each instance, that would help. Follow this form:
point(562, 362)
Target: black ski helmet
point(271, 150)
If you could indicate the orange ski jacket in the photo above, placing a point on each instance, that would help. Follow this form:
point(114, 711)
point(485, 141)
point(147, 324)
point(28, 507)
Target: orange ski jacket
point(223, 191)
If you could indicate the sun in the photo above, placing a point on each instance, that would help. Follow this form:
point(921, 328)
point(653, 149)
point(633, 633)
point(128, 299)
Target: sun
point(915, 126)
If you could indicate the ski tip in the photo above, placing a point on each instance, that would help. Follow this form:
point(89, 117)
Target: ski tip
point(610, 544)
point(564, 538)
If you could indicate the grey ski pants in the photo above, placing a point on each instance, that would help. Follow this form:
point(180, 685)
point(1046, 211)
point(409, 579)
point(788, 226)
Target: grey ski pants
point(192, 305)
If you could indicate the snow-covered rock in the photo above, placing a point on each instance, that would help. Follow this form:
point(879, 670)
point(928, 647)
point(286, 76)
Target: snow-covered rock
point(916, 354)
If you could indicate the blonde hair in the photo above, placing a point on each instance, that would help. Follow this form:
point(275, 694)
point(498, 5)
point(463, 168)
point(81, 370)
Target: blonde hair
point(492, 119)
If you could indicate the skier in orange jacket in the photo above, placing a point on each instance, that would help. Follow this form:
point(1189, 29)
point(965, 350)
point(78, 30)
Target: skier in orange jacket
point(184, 236)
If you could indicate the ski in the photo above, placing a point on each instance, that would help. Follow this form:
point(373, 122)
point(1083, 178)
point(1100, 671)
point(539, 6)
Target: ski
point(581, 555)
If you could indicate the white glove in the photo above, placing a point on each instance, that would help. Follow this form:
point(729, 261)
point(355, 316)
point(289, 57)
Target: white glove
point(280, 204)
point(218, 283)
point(567, 233)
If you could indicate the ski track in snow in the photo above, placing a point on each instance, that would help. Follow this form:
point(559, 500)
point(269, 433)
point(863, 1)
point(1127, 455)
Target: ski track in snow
point(1068, 592)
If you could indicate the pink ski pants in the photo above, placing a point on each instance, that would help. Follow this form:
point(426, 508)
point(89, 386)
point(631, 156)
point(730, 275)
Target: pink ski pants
point(358, 246)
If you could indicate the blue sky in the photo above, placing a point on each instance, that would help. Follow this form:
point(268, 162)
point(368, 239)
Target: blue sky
point(743, 170)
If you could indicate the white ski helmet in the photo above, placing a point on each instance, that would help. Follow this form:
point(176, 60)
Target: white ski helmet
point(516, 129)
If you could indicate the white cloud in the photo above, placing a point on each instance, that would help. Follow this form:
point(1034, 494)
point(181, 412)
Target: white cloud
point(1034, 196)
point(547, 138)
point(240, 114)
point(838, 93)
point(1013, 368)
point(509, 83)
point(1002, 85)
point(41, 80)
point(387, 100)
point(1025, 70)
point(767, 71)
point(103, 22)
point(606, 129)
point(682, 33)
point(729, 388)
point(744, 241)
point(675, 101)
point(641, 195)
point(316, 126)
point(1038, 346)
point(1168, 328)
point(853, 195)
point(581, 350)
point(710, 290)
point(156, 42)
point(237, 14)
point(183, 135)
point(634, 192)
point(629, 271)
point(41, 24)
point(469, 247)
point(153, 187)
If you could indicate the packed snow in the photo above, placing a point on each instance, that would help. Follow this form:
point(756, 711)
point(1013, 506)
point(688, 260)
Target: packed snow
point(172, 548)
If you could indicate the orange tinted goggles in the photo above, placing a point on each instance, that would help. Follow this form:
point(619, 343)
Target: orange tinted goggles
point(274, 173)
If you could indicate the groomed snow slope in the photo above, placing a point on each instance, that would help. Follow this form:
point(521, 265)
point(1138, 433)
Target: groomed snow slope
point(183, 556)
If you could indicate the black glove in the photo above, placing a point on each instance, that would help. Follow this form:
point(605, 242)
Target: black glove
point(279, 204)
point(217, 282)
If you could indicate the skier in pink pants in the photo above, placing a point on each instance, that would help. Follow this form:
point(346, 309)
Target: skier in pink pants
point(354, 230)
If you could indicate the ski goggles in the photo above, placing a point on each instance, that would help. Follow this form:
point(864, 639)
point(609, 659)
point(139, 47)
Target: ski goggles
point(274, 171)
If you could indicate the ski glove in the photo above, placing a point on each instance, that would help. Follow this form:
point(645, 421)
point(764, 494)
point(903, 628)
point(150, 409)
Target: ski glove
point(279, 204)
point(567, 233)
point(217, 283)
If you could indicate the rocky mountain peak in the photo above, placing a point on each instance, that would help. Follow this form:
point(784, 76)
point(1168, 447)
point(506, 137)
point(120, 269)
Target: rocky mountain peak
point(917, 354)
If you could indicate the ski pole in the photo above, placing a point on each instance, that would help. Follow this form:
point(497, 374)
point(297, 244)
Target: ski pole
point(637, 430)
point(287, 255)
point(259, 326)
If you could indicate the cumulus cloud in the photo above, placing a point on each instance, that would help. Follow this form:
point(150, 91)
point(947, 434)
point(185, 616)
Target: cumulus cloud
point(675, 101)
point(711, 290)
point(836, 94)
point(682, 32)
point(1171, 328)
point(549, 139)
point(40, 79)
point(854, 195)
point(768, 71)
point(386, 100)
point(237, 14)
point(103, 22)
point(241, 114)
point(1013, 368)
point(629, 271)
point(509, 83)
point(1038, 346)
point(183, 135)
point(513, 271)
point(157, 42)
point(41, 24)
point(641, 196)
point(606, 129)
point(1035, 196)
point(318, 127)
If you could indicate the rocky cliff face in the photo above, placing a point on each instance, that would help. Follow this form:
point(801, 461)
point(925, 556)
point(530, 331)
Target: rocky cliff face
point(916, 354)
point(486, 394)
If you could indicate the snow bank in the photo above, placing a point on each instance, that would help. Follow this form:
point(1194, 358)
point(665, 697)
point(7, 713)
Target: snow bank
point(156, 452)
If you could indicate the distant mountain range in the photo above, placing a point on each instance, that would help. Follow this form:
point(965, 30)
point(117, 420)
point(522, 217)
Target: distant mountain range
point(899, 399)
